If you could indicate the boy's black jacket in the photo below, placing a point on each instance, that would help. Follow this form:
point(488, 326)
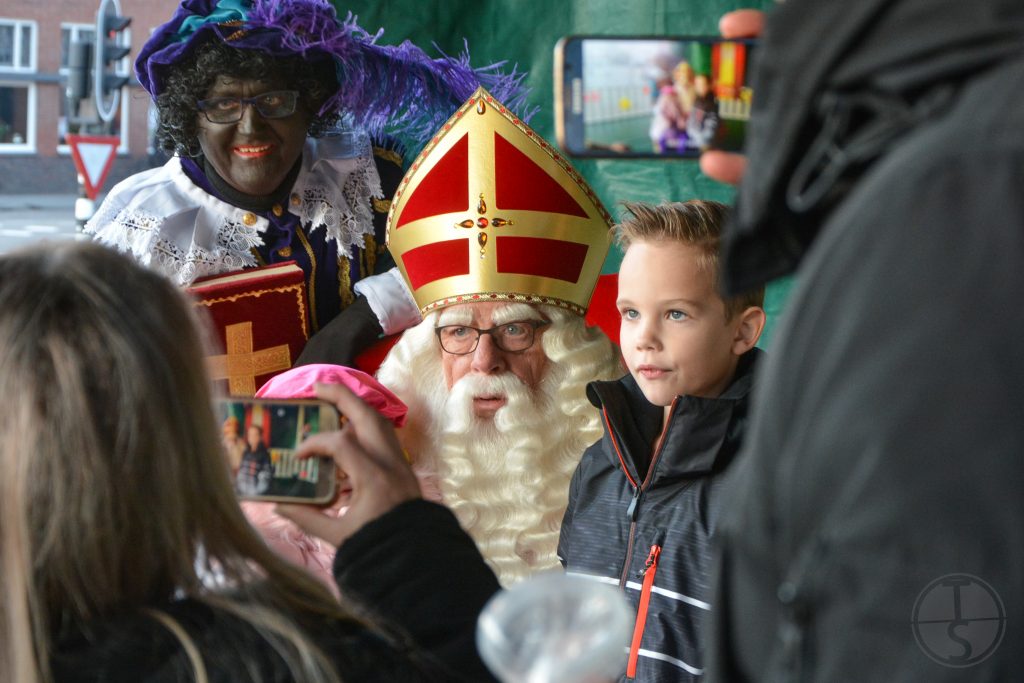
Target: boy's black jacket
point(611, 524)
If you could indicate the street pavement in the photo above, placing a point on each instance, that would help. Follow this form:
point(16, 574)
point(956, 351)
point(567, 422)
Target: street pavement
point(30, 218)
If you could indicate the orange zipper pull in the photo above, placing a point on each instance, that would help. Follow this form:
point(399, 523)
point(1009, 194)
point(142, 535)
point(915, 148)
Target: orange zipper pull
point(652, 560)
point(648, 572)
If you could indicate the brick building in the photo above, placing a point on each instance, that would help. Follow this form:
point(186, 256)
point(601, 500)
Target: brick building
point(34, 40)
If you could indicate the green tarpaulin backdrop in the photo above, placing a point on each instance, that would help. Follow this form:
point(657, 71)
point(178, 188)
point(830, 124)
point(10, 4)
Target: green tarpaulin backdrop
point(524, 32)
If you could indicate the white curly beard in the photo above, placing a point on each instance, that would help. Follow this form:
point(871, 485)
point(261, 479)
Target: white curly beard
point(507, 478)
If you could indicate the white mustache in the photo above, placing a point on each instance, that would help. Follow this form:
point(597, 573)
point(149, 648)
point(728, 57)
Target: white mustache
point(458, 408)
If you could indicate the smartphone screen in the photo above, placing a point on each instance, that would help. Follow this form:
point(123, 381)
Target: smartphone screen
point(260, 437)
point(666, 97)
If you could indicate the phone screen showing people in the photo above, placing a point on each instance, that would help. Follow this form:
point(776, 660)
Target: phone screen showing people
point(260, 438)
point(657, 97)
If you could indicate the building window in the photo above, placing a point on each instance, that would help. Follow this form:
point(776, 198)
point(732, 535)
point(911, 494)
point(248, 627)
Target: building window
point(17, 117)
point(17, 98)
point(17, 45)
point(119, 124)
point(87, 32)
point(70, 32)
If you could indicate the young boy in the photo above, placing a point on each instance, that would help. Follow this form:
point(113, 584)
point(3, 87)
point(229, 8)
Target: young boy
point(644, 500)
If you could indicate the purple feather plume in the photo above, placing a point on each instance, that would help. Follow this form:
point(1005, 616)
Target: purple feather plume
point(394, 89)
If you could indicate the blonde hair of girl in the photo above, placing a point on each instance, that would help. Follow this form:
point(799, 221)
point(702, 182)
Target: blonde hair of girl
point(114, 492)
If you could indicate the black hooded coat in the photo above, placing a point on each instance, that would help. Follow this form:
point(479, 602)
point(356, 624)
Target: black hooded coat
point(878, 526)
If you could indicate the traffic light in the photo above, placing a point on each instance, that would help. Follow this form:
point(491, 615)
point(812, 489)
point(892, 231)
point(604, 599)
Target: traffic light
point(111, 47)
point(79, 84)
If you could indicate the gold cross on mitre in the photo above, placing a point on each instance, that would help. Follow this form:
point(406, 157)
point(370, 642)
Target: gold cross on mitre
point(483, 223)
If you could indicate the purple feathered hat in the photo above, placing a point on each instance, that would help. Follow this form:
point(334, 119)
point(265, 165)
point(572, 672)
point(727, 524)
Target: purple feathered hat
point(381, 87)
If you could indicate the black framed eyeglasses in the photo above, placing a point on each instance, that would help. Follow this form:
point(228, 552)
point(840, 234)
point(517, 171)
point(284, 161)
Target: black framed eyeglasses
point(270, 105)
point(512, 337)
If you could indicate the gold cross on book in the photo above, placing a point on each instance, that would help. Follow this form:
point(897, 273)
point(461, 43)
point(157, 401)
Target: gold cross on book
point(241, 365)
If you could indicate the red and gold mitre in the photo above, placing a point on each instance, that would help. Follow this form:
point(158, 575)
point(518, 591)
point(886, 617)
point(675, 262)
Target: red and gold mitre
point(490, 211)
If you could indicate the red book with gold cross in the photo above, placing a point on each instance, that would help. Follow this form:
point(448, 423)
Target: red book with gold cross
point(261, 319)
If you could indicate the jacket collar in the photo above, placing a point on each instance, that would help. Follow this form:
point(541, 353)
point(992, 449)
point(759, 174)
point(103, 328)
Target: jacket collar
point(827, 109)
point(704, 429)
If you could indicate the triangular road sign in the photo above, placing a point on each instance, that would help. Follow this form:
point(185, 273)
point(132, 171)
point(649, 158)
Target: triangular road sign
point(93, 155)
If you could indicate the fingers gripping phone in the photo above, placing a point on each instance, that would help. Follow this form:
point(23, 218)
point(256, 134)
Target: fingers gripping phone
point(662, 97)
point(260, 437)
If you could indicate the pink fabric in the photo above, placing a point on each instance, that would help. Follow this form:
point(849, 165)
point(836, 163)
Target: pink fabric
point(301, 382)
point(282, 535)
point(293, 544)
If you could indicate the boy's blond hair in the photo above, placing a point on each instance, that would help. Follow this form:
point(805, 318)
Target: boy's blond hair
point(697, 223)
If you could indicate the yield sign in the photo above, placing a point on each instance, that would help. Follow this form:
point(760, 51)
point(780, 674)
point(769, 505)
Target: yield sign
point(93, 155)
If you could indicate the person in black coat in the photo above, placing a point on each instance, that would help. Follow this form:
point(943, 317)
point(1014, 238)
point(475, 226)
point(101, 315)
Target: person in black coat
point(257, 468)
point(877, 535)
point(125, 554)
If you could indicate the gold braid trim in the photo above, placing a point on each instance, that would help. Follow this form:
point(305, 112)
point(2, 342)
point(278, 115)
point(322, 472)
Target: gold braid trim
point(311, 286)
point(345, 282)
point(235, 35)
point(370, 255)
point(296, 289)
point(503, 296)
point(388, 155)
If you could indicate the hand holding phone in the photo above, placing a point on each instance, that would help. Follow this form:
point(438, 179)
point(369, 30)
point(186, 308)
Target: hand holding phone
point(261, 438)
point(366, 448)
point(667, 97)
point(728, 167)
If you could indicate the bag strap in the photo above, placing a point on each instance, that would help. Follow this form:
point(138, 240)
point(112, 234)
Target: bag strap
point(186, 641)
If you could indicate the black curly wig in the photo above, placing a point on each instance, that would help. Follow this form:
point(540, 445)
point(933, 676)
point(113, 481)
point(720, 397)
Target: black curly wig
point(177, 130)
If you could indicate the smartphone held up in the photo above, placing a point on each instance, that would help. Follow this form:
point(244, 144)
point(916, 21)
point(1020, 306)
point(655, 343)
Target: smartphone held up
point(654, 97)
point(260, 437)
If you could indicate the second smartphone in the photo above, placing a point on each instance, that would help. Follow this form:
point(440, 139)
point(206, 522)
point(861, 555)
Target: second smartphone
point(666, 97)
point(260, 438)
